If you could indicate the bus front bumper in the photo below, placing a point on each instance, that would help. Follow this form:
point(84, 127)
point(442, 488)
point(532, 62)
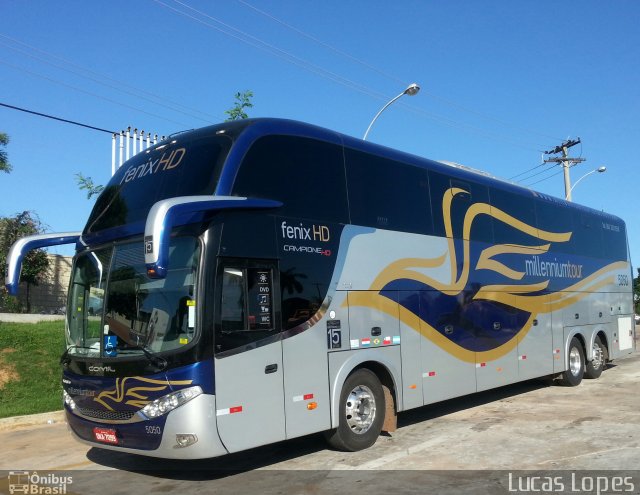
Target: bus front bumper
point(188, 432)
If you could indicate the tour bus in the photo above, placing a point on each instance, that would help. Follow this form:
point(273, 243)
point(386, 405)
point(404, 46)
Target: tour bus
point(264, 279)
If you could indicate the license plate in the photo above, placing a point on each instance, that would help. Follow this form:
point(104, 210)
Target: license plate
point(105, 435)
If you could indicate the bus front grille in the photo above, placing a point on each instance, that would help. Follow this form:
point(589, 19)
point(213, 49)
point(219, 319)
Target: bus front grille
point(106, 415)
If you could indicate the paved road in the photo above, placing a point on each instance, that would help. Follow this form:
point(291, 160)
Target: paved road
point(528, 426)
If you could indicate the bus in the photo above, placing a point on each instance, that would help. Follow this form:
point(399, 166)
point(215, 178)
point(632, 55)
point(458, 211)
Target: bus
point(261, 280)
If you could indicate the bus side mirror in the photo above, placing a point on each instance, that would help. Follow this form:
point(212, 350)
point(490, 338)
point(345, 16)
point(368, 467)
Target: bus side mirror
point(183, 210)
point(24, 245)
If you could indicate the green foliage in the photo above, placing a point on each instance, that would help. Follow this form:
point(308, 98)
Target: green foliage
point(29, 367)
point(243, 100)
point(35, 264)
point(88, 184)
point(5, 166)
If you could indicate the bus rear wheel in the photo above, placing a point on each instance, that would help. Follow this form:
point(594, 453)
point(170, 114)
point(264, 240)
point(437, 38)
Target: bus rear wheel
point(575, 361)
point(596, 365)
point(361, 411)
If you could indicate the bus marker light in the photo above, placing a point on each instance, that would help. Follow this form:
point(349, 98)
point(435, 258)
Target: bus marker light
point(413, 387)
point(312, 405)
point(428, 374)
point(185, 439)
point(481, 365)
point(522, 358)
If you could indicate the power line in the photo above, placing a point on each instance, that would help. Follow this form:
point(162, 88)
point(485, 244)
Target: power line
point(546, 178)
point(386, 74)
point(527, 171)
point(536, 174)
point(324, 44)
point(256, 42)
point(152, 97)
point(92, 94)
point(272, 49)
point(53, 117)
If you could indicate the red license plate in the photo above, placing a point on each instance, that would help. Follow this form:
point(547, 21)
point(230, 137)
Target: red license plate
point(105, 435)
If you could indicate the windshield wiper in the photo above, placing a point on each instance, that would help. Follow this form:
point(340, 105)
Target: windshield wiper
point(159, 362)
point(65, 359)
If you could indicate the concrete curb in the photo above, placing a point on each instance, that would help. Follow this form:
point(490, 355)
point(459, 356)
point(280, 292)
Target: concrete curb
point(29, 420)
point(28, 318)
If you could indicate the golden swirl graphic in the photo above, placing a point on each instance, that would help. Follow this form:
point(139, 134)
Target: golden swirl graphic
point(523, 297)
point(133, 395)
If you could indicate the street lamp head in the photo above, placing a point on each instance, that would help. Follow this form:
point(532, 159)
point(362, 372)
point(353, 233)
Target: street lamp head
point(412, 89)
point(602, 169)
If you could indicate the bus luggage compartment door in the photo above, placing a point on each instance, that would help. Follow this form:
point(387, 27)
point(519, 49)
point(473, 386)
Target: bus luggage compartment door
point(250, 397)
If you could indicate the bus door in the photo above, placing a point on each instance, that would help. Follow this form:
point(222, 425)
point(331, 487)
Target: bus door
point(248, 356)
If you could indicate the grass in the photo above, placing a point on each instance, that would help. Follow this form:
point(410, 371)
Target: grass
point(30, 373)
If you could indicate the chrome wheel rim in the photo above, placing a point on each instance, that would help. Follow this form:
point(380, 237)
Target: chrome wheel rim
point(575, 362)
point(360, 409)
point(598, 356)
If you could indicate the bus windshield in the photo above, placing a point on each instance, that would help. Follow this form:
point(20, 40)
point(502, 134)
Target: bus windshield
point(115, 309)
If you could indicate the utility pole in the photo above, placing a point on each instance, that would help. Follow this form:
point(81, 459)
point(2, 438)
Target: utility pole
point(566, 161)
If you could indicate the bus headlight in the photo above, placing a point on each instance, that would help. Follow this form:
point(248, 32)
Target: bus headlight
point(68, 401)
point(169, 402)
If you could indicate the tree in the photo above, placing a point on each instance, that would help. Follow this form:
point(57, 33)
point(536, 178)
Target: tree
point(35, 264)
point(5, 166)
point(88, 184)
point(243, 100)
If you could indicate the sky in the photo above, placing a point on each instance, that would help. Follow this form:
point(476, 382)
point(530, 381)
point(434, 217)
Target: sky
point(501, 81)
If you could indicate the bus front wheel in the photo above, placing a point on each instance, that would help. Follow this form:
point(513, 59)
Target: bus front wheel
point(361, 411)
point(575, 365)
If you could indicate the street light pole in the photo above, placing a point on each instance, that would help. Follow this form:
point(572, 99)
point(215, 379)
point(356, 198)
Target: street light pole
point(411, 90)
point(599, 169)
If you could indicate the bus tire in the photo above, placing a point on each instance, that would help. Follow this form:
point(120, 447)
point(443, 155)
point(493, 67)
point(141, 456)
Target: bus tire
point(361, 412)
point(596, 365)
point(575, 365)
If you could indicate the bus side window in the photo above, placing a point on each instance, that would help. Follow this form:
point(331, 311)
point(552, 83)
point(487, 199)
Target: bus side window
point(388, 194)
point(588, 234)
point(452, 209)
point(232, 308)
point(246, 311)
point(552, 217)
point(519, 209)
point(307, 175)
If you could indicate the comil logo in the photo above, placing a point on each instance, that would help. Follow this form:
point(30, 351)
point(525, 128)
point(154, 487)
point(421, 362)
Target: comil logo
point(38, 484)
